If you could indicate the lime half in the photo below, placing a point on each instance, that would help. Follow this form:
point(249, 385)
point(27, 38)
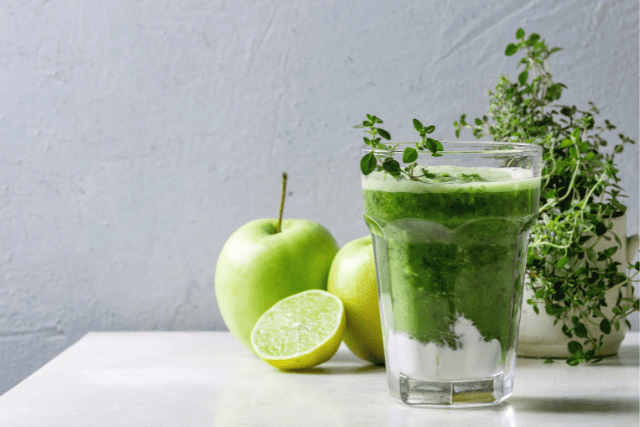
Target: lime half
point(300, 331)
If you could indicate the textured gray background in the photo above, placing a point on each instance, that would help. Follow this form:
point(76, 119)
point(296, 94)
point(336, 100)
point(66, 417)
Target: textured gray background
point(136, 136)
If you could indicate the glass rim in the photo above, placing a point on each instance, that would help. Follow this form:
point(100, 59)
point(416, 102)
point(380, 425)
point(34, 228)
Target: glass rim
point(475, 147)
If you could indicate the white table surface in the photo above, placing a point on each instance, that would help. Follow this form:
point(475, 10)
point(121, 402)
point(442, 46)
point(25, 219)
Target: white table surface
point(162, 379)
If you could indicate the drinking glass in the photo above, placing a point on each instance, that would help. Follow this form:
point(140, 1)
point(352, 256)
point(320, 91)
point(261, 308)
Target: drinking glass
point(450, 239)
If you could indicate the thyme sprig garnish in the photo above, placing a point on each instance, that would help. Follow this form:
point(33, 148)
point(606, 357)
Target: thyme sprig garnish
point(380, 158)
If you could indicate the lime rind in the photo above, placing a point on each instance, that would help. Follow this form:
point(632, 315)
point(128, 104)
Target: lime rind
point(299, 328)
point(300, 331)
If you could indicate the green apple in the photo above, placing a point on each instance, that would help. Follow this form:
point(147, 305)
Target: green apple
point(352, 278)
point(259, 266)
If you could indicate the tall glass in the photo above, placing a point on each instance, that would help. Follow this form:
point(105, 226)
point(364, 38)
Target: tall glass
point(450, 250)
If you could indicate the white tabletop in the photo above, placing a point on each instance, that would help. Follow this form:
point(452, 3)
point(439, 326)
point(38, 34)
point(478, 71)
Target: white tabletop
point(162, 379)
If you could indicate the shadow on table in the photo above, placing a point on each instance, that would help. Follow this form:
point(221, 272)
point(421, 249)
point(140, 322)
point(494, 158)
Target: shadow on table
point(625, 357)
point(339, 370)
point(573, 404)
point(629, 356)
point(342, 363)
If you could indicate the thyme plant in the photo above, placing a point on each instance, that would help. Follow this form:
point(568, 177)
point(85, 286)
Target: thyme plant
point(580, 192)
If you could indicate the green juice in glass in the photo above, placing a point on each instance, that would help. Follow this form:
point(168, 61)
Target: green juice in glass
point(450, 258)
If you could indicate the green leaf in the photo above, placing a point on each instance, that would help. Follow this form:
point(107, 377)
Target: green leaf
point(417, 125)
point(478, 122)
point(574, 347)
point(583, 146)
point(390, 165)
point(368, 163)
point(533, 38)
point(574, 153)
point(427, 174)
point(554, 92)
point(549, 361)
point(383, 133)
point(562, 262)
point(430, 129)
point(520, 33)
point(373, 119)
point(409, 155)
point(575, 133)
point(588, 355)
point(574, 360)
point(566, 143)
point(581, 330)
point(605, 326)
point(367, 140)
point(433, 145)
point(522, 78)
point(511, 49)
point(553, 309)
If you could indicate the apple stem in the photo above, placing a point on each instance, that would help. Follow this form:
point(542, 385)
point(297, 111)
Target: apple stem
point(284, 192)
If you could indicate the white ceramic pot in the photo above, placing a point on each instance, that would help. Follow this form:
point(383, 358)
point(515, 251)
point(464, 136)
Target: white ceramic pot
point(539, 337)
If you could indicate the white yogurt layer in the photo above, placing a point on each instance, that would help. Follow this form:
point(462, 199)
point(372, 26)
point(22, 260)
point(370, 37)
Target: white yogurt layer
point(497, 179)
point(474, 358)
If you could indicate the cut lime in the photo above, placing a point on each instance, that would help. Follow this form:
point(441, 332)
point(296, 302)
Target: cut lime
point(300, 331)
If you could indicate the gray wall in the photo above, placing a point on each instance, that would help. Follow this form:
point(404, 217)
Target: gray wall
point(137, 135)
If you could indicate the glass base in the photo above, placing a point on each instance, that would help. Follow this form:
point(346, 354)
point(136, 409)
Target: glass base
point(479, 392)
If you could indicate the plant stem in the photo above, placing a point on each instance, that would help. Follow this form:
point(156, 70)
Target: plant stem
point(536, 244)
point(573, 178)
point(284, 192)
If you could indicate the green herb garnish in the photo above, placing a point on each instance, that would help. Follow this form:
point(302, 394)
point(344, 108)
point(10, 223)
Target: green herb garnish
point(382, 160)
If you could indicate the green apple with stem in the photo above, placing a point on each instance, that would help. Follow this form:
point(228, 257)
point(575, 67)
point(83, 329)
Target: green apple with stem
point(267, 260)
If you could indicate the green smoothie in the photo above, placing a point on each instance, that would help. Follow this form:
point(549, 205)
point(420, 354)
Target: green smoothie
point(454, 246)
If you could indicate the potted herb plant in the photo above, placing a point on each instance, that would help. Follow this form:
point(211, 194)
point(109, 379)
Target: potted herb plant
point(579, 260)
